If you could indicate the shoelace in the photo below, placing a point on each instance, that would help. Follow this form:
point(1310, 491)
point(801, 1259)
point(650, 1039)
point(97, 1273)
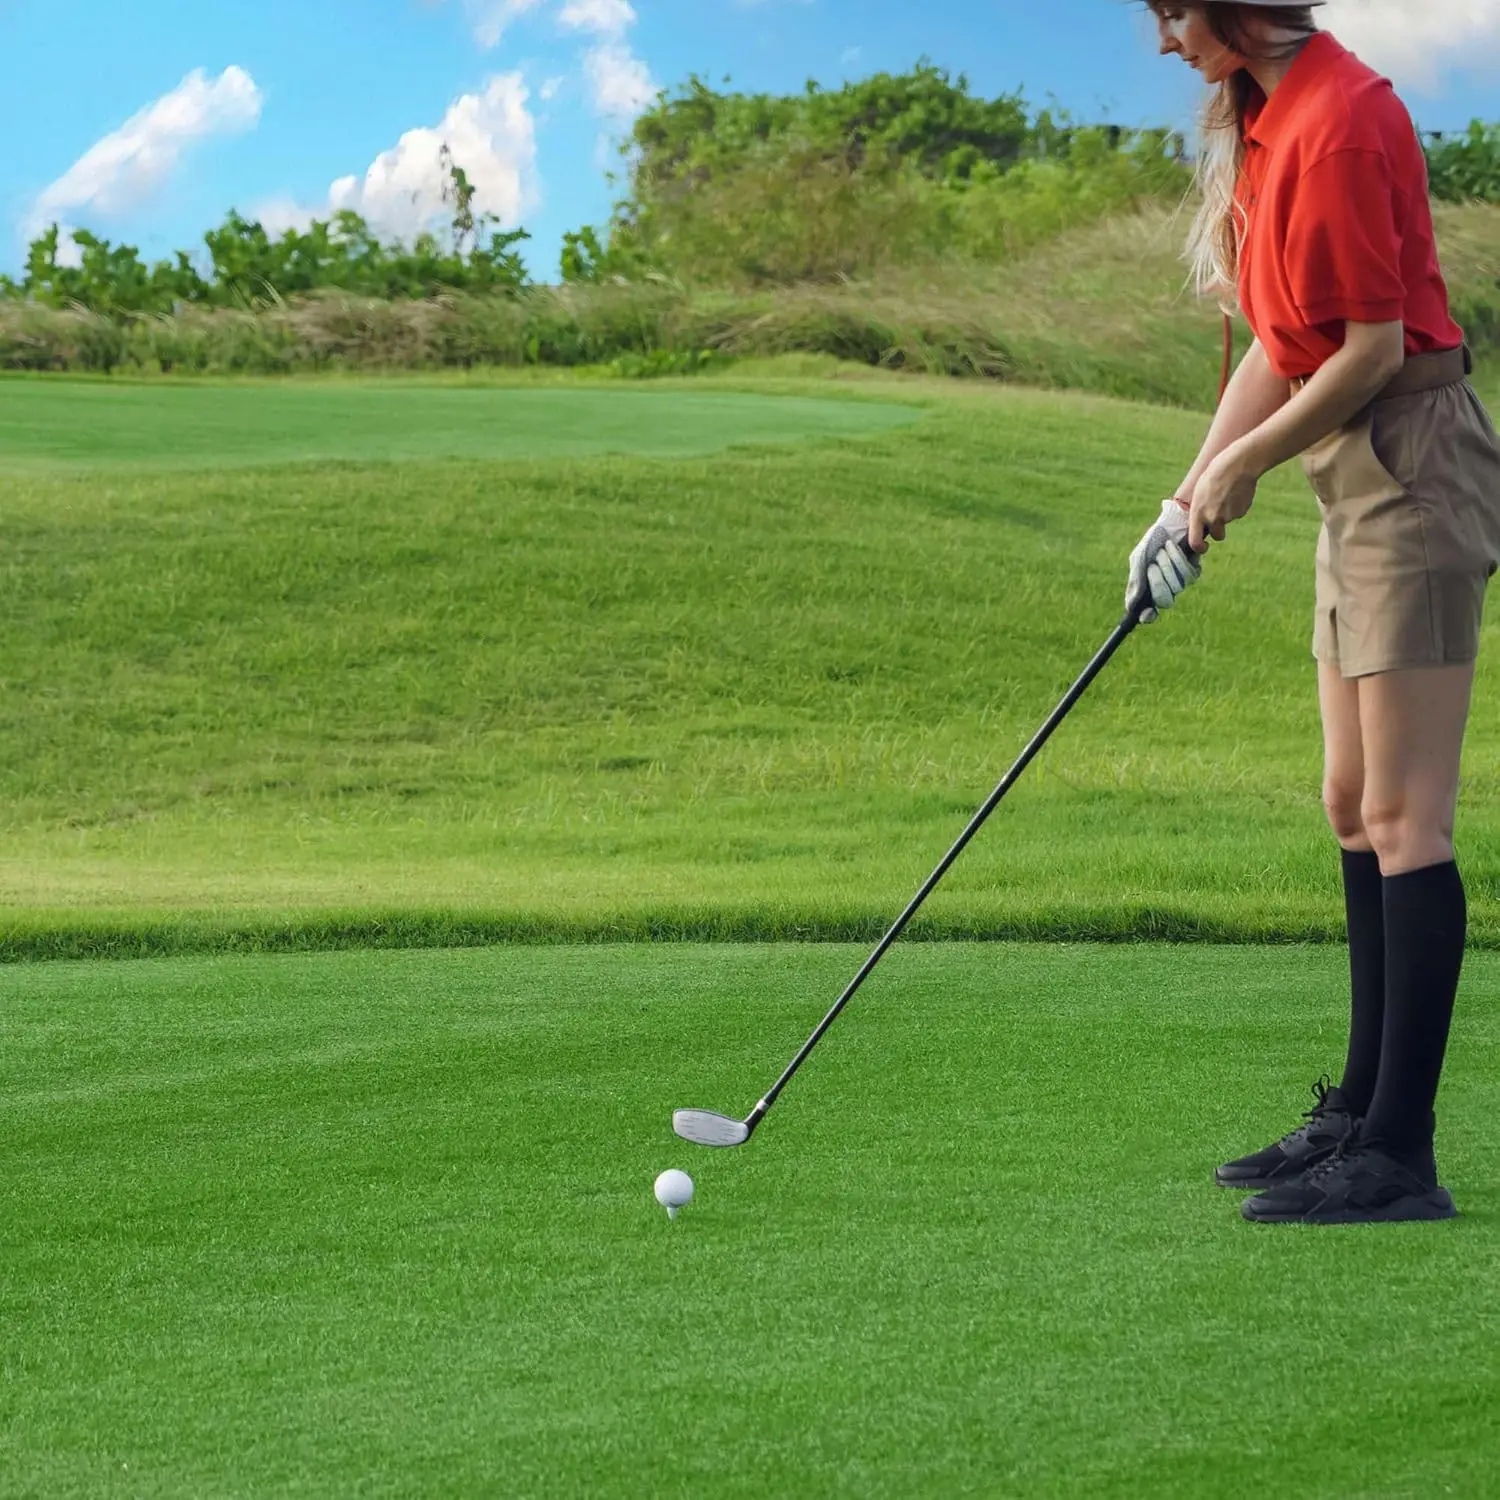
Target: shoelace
point(1331, 1164)
point(1320, 1093)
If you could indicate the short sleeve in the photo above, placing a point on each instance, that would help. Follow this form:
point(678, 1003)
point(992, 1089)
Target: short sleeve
point(1343, 246)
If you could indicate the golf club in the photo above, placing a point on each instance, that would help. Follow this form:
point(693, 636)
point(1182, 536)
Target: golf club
point(704, 1127)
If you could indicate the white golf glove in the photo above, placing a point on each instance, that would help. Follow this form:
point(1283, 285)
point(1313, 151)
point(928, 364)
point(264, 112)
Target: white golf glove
point(1163, 565)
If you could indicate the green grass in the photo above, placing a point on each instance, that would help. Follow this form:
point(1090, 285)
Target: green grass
point(123, 426)
point(752, 694)
point(382, 1224)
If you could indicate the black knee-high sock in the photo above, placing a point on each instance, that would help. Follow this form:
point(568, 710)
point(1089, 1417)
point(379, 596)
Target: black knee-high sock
point(1364, 906)
point(1426, 923)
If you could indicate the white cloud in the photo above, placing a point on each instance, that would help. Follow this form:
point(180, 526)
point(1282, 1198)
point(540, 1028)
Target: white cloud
point(1415, 44)
point(604, 17)
point(69, 252)
point(121, 171)
point(620, 83)
point(492, 137)
point(277, 215)
point(490, 18)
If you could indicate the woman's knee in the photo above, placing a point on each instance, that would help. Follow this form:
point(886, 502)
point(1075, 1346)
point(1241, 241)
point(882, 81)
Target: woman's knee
point(1342, 801)
point(1405, 834)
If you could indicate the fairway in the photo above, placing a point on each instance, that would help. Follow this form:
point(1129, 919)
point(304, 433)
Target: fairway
point(123, 426)
point(382, 1224)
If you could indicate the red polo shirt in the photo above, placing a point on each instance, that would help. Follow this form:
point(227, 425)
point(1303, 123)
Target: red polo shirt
point(1339, 224)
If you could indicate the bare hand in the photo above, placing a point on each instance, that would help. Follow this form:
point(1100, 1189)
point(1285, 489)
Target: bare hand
point(1224, 492)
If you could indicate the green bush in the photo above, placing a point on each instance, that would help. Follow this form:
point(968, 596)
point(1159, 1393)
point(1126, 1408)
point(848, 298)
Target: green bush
point(1466, 168)
point(249, 268)
point(735, 190)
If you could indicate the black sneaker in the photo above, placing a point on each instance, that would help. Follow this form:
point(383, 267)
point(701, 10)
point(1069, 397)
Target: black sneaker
point(1328, 1123)
point(1363, 1182)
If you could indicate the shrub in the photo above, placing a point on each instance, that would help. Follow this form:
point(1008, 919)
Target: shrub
point(1466, 168)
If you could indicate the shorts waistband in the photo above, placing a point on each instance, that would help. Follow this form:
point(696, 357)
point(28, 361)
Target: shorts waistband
point(1422, 372)
point(1430, 372)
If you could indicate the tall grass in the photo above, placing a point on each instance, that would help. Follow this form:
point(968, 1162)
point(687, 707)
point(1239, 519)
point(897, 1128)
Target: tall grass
point(1102, 308)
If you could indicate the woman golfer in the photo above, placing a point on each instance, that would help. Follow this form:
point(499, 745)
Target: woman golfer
point(1315, 208)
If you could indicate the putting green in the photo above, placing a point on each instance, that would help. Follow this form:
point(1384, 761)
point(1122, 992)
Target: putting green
point(67, 424)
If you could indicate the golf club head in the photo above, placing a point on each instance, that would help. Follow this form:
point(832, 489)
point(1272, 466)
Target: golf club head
point(704, 1128)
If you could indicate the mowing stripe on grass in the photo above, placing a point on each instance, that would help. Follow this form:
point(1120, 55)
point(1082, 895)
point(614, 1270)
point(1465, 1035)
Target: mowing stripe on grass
point(58, 424)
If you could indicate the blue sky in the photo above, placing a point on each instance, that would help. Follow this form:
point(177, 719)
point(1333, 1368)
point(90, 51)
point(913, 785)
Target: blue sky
point(282, 108)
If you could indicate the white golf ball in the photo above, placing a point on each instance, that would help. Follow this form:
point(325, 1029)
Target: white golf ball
point(673, 1189)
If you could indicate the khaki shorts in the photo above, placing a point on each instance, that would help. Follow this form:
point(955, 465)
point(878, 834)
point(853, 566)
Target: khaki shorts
point(1410, 495)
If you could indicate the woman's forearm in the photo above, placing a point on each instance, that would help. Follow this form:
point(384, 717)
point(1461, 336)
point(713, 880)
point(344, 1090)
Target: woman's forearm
point(1348, 381)
point(1255, 394)
point(1224, 490)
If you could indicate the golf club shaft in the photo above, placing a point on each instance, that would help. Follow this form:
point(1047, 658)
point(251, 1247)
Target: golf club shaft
point(1097, 665)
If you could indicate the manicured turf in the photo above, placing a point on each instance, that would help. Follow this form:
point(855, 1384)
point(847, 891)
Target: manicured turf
point(382, 1224)
point(126, 427)
point(750, 694)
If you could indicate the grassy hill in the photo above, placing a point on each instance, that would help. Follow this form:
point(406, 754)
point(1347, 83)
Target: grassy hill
point(750, 693)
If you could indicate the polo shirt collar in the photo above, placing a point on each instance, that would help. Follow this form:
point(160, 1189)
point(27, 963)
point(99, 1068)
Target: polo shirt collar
point(1266, 118)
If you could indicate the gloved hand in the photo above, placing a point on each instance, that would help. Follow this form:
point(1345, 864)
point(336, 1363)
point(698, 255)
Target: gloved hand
point(1163, 565)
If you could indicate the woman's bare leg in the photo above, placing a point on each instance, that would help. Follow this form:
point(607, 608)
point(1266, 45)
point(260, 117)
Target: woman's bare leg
point(1412, 728)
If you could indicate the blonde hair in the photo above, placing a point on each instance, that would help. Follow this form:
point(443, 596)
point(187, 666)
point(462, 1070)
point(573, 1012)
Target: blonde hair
point(1214, 241)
